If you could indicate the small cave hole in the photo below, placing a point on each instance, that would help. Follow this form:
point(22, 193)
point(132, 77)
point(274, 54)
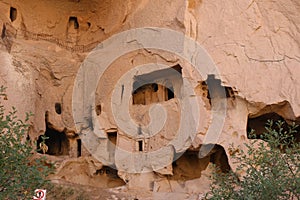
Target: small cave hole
point(58, 108)
point(13, 14)
point(98, 109)
point(78, 147)
point(73, 22)
point(89, 24)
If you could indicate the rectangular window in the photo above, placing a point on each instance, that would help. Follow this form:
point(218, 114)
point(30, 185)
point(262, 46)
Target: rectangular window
point(78, 147)
point(141, 145)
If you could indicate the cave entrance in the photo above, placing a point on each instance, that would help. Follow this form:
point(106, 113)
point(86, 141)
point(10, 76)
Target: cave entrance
point(219, 157)
point(189, 166)
point(57, 142)
point(258, 124)
point(109, 177)
point(161, 85)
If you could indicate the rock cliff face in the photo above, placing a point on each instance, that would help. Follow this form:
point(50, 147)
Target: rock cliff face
point(255, 46)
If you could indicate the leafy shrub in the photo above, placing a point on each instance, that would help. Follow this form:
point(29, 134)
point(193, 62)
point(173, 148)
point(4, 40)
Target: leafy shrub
point(272, 168)
point(18, 176)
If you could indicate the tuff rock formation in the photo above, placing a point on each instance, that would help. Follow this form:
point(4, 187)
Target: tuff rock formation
point(255, 46)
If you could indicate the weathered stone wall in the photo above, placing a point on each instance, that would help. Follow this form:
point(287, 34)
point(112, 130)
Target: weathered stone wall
point(254, 44)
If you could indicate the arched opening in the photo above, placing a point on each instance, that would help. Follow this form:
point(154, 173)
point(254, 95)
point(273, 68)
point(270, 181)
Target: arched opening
point(58, 108)
point(13, 14)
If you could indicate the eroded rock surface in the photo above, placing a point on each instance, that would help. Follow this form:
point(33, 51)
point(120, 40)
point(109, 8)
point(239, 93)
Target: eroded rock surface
point(254, 44)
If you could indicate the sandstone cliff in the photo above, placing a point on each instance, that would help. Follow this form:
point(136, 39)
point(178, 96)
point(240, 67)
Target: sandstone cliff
point(254, 44)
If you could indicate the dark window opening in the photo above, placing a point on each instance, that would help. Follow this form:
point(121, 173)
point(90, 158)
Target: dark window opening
point(78, 147)
point(73, 22)
point(155, 87)
point(89, 24)
point(112, 137)
point(58, 108)
point(140, 145)
point(98, 109)
point(170, 92)
point(13, 14)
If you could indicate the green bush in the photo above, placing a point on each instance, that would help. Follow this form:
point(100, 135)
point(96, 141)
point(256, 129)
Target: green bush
point(18, 176)
point(272, 168)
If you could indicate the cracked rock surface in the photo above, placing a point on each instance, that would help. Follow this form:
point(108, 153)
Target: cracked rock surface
point(255, 45)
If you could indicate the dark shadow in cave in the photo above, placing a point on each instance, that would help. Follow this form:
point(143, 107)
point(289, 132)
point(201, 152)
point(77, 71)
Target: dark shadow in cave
point(189, 166)
point(57, 142)
point(111, 175)
point(258, 124)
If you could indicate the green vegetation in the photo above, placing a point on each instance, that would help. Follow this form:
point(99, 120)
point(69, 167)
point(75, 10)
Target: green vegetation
point(18, 176)
point(271, 167)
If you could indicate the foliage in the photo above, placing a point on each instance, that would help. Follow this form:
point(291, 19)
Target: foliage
point(271, 168)
point(18, 176)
